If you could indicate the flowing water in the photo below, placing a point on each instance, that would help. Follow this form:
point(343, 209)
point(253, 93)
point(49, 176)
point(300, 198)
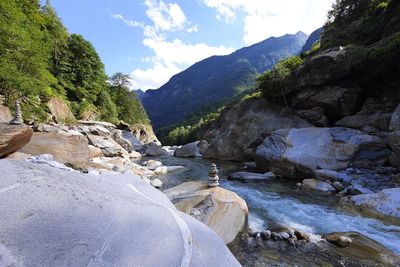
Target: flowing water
point(281, 201)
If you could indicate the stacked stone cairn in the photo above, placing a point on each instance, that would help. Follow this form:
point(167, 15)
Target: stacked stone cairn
point(213, 179)
point(18, 120)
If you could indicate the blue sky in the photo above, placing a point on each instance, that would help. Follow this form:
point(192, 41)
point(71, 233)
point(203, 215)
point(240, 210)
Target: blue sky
point(154, 39)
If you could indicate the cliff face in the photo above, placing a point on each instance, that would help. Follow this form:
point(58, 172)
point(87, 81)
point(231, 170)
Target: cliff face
point(354, 84)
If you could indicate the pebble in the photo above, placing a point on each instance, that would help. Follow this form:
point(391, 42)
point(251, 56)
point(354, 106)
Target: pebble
point(284, 235)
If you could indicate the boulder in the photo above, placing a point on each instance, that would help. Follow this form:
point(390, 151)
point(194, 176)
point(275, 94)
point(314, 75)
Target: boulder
point(52, 217)
point(394, 141)
point(136, 144)
point(316, 116)
point(65, 149)
point(144, 133)
point(377, 120)
point(317, 185)
point(153, 149)
point(153, 164)
point(135, 155)
point(95, 152)
point(104, 124)
point(385, 203)
point(222, 210)
point(329, 175)
point(191, 149)
point(5, 114)
point(337, 101)
point(339, 240)
point(249, 176)
point(293, 152)
point(156, 183)
point(60, 111)
point(108, 146)
point(13, 137)
point(118, 137)
point(241, 128)
point(395, 120)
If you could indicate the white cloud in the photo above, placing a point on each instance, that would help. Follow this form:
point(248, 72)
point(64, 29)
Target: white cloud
point(266, 18)
point(170, 57)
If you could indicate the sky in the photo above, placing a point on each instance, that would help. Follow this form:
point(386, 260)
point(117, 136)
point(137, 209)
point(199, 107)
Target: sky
point(154, 39)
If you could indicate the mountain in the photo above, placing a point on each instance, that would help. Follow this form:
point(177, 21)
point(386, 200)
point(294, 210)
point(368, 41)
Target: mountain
point(314, 37)
point(216, 79)
point(140, 94)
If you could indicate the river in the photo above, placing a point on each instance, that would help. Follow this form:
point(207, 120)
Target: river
point(282, 201)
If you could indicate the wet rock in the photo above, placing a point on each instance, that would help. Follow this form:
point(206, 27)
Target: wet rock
point(238, 132)
point(249, 176)
point(301, 236)
point(278, 227)
point(357, 189)
point(65, 149)
point(58, 218)
point(13, 137)
point(329, 175)
point(338, 240)
point(60, 111)
point(317, 185)
point(299, 152)
point(385, 203)
point(222, 210)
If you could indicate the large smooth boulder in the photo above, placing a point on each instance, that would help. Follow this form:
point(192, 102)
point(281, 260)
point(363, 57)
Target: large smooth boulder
point(5, 114)
point(299, 152)
point(108, 146)
point(60, 110)
point(153, 149)
point(52, 217)
point(385, 203)
point(118, 137)
point(144, 133)
point(13, 137)
point(335, 100)
point(64, 149)
point(191, 149)
point(222, 210)
point(240, 129)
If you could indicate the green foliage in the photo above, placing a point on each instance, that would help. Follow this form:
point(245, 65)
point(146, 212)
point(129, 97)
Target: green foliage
point(255, 95)
point(39, 59)
point(273, 83)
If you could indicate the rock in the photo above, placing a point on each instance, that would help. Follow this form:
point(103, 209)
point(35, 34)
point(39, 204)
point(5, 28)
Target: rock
point(52, 217)
point(316, 116)
point(265, 234)
point(299, 152)
point(144, 133)
point(153, 164)
point(385, 203)
point(203, 146)
point(278, 227)
point(377, 120)
point(136, 144)
point(65, 149)
point(161, 170)
point(18, 156)
point(13, 137)
point(18, 119)
point(135, 155)
point(117, 136)
point(329, 175)
point(241, 127)
point(104, 124)
point(5, 114)
point(284, 235)
point(301, 236)
point(123, 125)
point(156, 183)
point(190, 150)
point(152, 149)
point(338, 185)
point(395, 120)
point(394, 141)
point(394, 160)
point(174, 168)
point(317, 185)
point(60, 110)
point(357, 189)
point(222, 210)
point(336, 101)
point(108, 146)
point(248, 176)
point(339, 240)
point(95, 152)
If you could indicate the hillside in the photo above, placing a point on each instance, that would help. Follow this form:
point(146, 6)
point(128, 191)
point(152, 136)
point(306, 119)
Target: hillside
point(216, 78)
point(40, 60)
